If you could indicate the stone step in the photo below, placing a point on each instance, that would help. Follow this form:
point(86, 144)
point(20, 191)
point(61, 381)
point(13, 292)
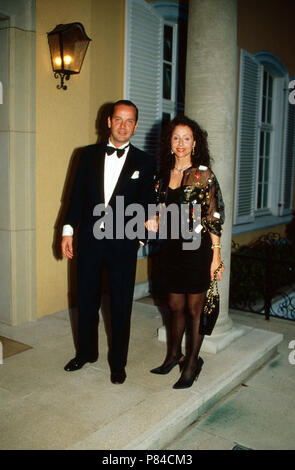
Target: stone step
point(158, 419)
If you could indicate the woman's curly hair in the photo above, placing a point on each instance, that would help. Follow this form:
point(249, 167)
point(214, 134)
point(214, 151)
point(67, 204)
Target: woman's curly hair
point(201, 155)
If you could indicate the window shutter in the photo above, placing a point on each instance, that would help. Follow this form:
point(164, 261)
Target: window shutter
point(289, 159)
point(247, 137)
point(143, 70)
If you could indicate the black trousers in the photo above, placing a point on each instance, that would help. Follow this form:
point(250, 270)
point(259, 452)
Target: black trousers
point(118, 257)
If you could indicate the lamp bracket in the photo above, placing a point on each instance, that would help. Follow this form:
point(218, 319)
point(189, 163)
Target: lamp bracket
point(62, 76)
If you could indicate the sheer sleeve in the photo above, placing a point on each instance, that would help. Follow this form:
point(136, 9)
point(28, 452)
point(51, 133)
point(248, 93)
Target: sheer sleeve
point(215, 214)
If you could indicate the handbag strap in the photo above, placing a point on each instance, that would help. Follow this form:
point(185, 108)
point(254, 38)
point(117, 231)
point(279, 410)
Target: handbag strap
point(217, 270)
point(214, 281)
point(209, 304)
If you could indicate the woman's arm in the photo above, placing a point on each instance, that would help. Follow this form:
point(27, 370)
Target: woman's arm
point(214, 221)
point(216, 259)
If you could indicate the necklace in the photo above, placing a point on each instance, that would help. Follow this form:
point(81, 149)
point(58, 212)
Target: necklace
point(180, 170)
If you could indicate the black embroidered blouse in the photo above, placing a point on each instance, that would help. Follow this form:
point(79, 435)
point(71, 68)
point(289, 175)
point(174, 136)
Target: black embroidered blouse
point(199, 186)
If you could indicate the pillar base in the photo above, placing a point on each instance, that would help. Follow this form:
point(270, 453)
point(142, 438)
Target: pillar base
point(215, 343)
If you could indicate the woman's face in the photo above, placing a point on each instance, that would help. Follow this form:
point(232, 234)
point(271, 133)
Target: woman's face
point(182, 141)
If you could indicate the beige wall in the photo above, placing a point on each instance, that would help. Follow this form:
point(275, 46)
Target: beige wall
point(106, 56)
point(66, 121)
point(268, 25)
point(61, 126)
point(246, 238)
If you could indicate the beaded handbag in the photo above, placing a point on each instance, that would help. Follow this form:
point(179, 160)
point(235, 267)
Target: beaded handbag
point(211, 308)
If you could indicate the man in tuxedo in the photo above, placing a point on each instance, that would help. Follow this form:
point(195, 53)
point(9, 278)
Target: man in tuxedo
point(105, 172)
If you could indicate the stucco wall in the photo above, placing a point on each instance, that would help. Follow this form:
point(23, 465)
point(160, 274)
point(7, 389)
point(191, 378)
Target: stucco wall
point(66, 120)
point(268, 25)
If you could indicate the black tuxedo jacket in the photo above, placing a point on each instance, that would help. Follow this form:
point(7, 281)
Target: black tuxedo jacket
point(88, 187)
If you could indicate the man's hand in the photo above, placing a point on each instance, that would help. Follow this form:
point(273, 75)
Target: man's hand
point(67, 247)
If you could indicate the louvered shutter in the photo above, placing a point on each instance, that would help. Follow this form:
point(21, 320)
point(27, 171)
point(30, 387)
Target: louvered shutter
point(289, 159)
point(143, 70)
point(247, 137)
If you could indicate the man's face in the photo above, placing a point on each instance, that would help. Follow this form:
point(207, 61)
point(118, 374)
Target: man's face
point(122, 124)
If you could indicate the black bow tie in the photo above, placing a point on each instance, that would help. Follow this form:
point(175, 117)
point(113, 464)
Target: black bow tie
point(120, 152)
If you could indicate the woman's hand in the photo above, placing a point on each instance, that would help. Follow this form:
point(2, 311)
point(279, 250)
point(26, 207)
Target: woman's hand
point(214, 265)
point(152, 224)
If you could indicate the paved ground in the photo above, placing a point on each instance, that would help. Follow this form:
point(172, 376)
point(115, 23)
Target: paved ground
point(260, 413)
point(43, 407)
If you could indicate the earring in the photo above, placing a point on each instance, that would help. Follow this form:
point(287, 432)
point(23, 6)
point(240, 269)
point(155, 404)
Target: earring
point(193, 150)
point(172, 152)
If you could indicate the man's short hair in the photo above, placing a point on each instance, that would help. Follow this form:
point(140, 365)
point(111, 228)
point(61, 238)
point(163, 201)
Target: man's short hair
point(125, 103)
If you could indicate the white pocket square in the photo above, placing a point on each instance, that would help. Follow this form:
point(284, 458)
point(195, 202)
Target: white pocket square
point(135, 175)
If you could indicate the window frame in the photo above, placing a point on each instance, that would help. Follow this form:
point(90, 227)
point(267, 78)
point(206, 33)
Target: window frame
point(170, 106)
point(274, 129)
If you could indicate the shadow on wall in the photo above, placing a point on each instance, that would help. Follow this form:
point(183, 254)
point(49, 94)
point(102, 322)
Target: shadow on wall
point(101, 123)
point(102, 132)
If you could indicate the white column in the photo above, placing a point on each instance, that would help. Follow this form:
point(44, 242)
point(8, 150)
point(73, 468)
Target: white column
point(211, 92)
point(17, 163)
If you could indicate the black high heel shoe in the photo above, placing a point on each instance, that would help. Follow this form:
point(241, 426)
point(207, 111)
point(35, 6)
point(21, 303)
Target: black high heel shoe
point(188, 383)
point(165, 370)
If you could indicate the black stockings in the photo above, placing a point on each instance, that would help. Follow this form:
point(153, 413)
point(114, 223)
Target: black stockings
point(186, 311)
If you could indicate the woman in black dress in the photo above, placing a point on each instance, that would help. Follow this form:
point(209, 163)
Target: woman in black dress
point(185, 177)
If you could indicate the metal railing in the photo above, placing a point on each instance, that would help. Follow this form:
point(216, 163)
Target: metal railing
point(263, 277)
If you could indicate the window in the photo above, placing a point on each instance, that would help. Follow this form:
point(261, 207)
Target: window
point(265, 137)
point(174, 55)
point(265, 144)
point(167, 61)
point(169, 72)
point(169, 68)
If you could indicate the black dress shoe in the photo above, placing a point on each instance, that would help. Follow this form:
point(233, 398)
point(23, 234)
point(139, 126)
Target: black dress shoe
point(118, 376)
point(77, 363)
point(188, 383)
point(165, 370)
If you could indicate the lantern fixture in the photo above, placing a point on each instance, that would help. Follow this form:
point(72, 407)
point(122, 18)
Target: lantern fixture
point(68, 44)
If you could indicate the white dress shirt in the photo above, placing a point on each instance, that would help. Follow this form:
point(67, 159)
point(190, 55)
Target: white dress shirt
point(112, 170)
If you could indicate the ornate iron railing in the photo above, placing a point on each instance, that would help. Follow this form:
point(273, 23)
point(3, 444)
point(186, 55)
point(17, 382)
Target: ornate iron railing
point(263, 276)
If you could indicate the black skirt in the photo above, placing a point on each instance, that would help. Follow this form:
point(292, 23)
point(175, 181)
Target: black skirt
point(186, 271)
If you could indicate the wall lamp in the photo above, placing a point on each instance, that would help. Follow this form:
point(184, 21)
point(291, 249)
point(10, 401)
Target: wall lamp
point(68, 44)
